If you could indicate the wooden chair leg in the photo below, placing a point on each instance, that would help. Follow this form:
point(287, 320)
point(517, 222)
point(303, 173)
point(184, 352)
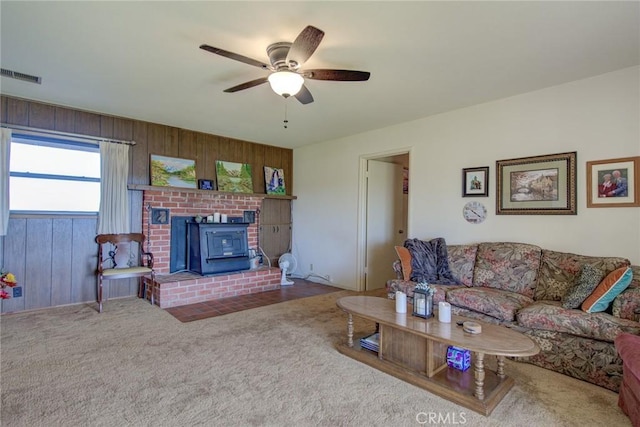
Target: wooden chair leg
point(100, 294)
point(153, 288)
point(141, 288)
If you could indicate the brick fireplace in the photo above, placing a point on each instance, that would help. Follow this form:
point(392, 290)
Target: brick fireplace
point(187, 288)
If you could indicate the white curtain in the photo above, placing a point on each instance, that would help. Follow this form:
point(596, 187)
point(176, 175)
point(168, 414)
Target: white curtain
point(114, 201)
point(5, 154)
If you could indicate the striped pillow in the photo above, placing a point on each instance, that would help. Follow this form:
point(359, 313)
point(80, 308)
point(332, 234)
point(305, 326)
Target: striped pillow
point(612, 285)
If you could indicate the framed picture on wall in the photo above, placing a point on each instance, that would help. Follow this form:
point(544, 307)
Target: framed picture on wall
point(475, 182)
point(172, 172)
point(274, 180)
point(206, 184)
point(613, 183)
point(539, 185)
point(234, 177)
point(159, 216)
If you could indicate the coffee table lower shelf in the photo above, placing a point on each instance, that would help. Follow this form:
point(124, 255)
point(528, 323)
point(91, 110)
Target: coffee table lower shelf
point(448, 383)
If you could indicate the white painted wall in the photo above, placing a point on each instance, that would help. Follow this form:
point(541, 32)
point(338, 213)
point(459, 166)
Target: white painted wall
point(598, 117)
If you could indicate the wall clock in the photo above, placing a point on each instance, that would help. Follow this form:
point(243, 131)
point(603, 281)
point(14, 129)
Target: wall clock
point(474, 212)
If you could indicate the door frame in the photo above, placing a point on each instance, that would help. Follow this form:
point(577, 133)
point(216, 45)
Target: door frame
point(361, 250)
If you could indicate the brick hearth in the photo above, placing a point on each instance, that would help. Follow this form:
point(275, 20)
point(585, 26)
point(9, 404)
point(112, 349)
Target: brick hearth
point(178, 289)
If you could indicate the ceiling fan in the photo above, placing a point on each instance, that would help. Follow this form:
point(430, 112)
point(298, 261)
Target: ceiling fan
point(287, 79)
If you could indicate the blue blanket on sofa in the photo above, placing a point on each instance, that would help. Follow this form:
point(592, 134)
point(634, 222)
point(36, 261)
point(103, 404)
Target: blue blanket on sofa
point(430, 262)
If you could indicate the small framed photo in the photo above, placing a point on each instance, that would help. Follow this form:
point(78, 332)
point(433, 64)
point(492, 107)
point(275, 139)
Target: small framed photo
point(613, 183)
point(159, 216)
point(206, 184)
point(475, 182)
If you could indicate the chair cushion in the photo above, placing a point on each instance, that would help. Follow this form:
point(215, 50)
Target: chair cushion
point(612, 285)
point(125, 271)
point(551, 316)
point(496, 303)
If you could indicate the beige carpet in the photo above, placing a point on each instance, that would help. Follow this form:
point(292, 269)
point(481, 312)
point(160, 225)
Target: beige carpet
point(272, 366)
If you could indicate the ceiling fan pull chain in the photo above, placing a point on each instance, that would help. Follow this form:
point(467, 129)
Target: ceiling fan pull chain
point(285, 115)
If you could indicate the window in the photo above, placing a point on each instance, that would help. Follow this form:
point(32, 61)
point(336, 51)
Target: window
point(50, 175)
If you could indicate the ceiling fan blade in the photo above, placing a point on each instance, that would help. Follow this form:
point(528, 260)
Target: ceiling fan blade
point(235, 56)
point(337, 75)
point(304, 96)
point(304, 45)
point(247, 85)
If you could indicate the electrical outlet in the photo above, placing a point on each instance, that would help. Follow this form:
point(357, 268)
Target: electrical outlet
point(17, 292)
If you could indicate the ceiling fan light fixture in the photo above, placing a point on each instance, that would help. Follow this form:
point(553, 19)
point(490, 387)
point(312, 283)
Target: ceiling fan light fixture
point(285, 83)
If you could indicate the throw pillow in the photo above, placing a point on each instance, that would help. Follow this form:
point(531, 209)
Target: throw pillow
point(405, 261)
point(612, 285)
point(587, 282)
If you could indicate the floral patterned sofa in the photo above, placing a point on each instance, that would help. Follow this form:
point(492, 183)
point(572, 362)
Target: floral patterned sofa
point(523, 286)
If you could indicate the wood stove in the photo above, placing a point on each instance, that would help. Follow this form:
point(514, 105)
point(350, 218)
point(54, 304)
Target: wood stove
point(217, 247)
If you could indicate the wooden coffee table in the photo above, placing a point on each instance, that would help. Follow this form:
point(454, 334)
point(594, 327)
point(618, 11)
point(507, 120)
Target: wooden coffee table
point(415, 350)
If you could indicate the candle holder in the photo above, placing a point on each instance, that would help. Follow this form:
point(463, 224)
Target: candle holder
point(423, 301)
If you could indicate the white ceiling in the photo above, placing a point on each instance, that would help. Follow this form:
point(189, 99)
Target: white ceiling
point(141, 59)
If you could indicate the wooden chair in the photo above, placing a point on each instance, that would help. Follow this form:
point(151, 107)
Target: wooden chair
point(122, 256)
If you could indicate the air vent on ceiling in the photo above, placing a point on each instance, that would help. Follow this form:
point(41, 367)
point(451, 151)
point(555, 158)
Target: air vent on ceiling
point(21, 76)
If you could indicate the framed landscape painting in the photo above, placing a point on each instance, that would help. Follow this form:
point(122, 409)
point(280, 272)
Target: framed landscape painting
point(274, 180)
point(234, 177)
point(172, 172)
point(613, 183)
point(539, 185)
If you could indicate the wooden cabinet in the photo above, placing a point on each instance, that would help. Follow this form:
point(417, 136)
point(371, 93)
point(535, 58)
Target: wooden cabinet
point(275, 228)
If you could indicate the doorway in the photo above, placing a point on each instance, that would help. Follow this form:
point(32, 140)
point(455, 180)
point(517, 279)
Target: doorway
point(383, 216)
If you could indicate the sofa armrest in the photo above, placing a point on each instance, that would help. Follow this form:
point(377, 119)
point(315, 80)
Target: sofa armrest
point(627, 304)
point(397, 268)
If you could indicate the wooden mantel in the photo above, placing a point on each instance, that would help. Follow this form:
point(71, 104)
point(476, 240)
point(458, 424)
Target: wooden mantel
point(141, 187)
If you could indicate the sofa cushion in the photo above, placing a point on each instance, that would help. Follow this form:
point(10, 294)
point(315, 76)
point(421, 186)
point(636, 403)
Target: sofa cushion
point(496, 303)
point(407, 286)
point(588, 280)
point(559, 271)
point(550, 316)
point(508, 266)
point(462, 259)
point(612, 285)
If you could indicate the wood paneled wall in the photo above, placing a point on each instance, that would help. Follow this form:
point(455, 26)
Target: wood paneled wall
point(55, 258)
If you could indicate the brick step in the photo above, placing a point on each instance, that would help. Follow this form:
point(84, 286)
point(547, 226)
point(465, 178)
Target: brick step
point(174, 290)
